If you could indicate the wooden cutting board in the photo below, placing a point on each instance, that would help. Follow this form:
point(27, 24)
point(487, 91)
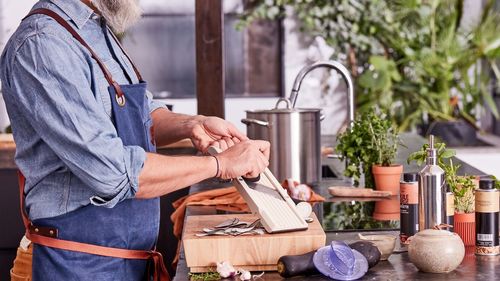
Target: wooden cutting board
point(251, 252)
point(346, 191)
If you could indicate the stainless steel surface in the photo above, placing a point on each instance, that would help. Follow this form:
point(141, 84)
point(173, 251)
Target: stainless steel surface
point(295, 142)
point(248, 121)
point(295, 133)
point(397, 267)
point(333, 65)
point(431, 192)
point(264, 189)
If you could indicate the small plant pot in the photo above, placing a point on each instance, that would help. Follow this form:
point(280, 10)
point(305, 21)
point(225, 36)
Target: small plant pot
point(387, 178)
point(387, 209)
point(464, 224)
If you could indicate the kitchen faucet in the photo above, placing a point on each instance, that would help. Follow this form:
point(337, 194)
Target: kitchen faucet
point(333, 65)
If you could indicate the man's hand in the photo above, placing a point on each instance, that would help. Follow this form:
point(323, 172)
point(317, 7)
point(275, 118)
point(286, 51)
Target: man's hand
point(215, 131)
point(248, 158)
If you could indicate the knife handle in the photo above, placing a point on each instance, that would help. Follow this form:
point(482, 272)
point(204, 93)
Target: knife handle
point(256, 179)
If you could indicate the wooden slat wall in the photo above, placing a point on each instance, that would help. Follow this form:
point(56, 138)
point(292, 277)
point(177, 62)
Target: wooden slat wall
point(210, 57)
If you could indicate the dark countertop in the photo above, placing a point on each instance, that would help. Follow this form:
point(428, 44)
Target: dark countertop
point(398, 267)
point(330, 214)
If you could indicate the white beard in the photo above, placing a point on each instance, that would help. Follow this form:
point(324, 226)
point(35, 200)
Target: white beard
point(120, 14)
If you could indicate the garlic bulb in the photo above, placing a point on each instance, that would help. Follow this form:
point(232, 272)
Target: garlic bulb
point(245, 275)
point(225, 269)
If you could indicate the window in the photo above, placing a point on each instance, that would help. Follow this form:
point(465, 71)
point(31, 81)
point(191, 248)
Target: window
point(164, 48)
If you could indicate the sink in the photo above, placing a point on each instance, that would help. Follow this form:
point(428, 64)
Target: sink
point(327, 172)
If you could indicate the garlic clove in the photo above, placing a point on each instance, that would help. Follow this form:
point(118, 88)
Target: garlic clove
point(225, 269)
point(245, 275)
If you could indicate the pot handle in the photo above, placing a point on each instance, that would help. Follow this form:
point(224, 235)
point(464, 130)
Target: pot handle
point(249, 121)
point(286, 101)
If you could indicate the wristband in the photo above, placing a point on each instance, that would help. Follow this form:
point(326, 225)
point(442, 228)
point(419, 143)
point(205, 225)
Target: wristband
point(218, 167)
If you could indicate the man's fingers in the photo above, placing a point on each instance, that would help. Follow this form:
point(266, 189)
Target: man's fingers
point(264, 147)
point(234, 132)
point(229, 142)
point(223, 145)
point(264, 160)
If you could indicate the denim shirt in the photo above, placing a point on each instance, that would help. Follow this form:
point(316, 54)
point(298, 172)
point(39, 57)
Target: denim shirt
point(60, 111)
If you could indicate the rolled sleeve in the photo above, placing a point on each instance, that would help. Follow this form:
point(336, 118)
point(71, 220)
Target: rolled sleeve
point(154, 104)
point(59, 104)
point(134, 161)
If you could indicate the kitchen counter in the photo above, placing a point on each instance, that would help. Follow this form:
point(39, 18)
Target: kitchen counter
point(398, 267)
point(339, 225)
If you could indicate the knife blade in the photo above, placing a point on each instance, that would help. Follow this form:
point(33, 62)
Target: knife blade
point(264, 189)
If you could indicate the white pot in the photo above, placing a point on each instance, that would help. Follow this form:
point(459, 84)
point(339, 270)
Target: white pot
point(436, 251)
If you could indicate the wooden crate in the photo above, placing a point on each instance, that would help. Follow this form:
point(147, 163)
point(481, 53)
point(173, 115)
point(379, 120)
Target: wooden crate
point(251, 252)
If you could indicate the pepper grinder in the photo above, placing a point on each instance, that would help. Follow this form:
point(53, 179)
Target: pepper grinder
point(431, 191)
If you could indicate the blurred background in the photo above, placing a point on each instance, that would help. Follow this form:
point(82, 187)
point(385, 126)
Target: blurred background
point(263, 56)
point(432, 66)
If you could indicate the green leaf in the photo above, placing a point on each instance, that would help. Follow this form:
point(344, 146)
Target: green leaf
point(448, 153)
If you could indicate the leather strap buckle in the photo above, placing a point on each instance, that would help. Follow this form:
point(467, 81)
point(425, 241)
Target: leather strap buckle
point(120, 100)
point(43, 231)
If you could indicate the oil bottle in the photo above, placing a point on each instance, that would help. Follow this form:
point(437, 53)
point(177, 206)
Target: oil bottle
point(431, 192)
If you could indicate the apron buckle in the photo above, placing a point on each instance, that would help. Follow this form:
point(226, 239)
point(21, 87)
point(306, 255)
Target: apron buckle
point(43, 231)
point(120, 99)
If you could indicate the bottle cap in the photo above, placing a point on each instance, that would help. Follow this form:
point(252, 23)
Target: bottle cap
point(410, 177)
point(486, 184)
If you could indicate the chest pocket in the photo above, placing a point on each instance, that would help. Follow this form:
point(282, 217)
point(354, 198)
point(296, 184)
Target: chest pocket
point(102, 84)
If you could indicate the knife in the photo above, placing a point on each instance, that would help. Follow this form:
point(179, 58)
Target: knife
point(264, 189)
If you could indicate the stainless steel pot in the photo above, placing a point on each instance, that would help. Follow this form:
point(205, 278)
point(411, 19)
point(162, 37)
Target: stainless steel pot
point(294, 134)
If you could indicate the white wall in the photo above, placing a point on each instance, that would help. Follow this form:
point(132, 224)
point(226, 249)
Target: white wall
point(299, 51)
point(234, 107)
point(11, 13)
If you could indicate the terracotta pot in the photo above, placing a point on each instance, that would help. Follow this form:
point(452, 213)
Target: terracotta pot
point(387, 178)
point(465, 226)
point(387, 209)
point(436, 251)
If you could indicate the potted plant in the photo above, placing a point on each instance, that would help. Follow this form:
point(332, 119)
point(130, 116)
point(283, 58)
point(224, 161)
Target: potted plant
point(463, 188)
point(370, 149)
point(417, 60)
point(443, 154)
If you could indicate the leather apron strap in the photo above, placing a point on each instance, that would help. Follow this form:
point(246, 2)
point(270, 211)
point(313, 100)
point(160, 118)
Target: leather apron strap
point(77, 36)
point(47, 236)
point(139, 76)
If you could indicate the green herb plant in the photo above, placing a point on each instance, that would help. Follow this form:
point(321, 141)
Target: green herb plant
point(443, 154)
point(462, 186)
point(372, 140)
point(415, 60)
point(205, 276)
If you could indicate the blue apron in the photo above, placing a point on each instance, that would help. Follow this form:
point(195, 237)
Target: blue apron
point(131, 224)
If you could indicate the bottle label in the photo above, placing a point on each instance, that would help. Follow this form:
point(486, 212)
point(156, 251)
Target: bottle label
point(409, 193)
point(408, 210)
point(487, 201)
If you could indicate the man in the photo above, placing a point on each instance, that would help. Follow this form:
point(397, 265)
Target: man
point(83, 127)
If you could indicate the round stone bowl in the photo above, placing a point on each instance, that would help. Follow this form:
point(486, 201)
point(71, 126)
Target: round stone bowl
point(436, 251)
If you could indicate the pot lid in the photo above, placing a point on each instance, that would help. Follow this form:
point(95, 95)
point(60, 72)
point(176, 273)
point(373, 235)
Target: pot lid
point(435, 233)
point(287, 109)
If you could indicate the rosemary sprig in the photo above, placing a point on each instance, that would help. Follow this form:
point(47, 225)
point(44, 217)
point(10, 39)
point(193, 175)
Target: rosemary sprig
point(205, 276)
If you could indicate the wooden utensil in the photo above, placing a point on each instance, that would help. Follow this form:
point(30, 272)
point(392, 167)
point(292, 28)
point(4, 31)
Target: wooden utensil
point(347, 191)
